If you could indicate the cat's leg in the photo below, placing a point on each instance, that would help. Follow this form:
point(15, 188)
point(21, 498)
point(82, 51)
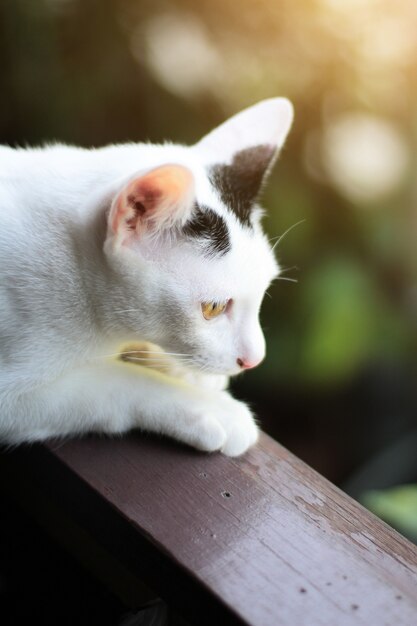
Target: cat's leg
point(115, 397)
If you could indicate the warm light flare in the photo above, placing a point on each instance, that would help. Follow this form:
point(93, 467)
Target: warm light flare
point(365, 157)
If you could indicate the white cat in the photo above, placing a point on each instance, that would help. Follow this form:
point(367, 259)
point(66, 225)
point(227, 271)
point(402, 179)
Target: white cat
point(139, 242)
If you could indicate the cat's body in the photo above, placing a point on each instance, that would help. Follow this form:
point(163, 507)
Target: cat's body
point(100, 248)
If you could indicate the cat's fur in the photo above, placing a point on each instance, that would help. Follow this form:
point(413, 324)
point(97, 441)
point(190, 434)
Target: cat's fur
point(104, 247)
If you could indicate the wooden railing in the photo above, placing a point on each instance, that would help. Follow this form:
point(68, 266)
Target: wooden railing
point(258, 540)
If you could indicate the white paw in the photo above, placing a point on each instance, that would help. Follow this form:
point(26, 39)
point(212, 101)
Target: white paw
point(209, 435)
point(240, 426)
point(225, 425)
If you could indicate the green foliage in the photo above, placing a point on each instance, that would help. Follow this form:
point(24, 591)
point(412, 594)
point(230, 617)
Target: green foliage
point(397, 506)
point(347, 321)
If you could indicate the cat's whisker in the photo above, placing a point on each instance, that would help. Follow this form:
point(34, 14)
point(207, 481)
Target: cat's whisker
point(203, 368)
point(153, 360)
point(146, 358)
point(287, 278)
point(288, 269)
point(161, 353)
point(284, 234)
point(150, 361)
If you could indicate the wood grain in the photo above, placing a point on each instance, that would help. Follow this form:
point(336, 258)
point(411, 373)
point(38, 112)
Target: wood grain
point(261, 540)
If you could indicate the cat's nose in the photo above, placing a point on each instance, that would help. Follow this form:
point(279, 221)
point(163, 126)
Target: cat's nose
point(245, 364)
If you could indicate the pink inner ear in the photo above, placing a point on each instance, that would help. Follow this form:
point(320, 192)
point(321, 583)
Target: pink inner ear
point(156, 200)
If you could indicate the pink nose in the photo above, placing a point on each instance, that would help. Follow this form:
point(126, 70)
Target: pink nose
point(247, 365)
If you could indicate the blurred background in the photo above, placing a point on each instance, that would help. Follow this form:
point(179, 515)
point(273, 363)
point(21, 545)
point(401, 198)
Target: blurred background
point(339, 384)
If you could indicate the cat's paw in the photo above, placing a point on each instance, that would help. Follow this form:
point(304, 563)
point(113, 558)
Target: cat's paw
point(226, 425)
point(241, 429)
point(209, 435)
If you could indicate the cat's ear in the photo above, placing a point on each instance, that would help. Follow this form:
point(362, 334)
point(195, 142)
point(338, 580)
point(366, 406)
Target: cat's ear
point(264, 124)
point(152, 202)
point(240, 153)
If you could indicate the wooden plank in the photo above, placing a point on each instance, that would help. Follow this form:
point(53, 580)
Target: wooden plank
point(261, 540)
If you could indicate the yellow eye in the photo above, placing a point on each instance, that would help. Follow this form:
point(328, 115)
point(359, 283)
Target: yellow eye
point(212, 309)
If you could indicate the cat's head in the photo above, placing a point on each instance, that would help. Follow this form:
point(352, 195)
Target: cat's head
point(186, 244)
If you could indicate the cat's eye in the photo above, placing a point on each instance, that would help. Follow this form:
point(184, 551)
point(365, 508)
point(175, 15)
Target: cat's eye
point(211, 310)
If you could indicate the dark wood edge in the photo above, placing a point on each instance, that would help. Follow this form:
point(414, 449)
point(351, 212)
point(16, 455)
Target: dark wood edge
point(39, 476)
point(268, 542)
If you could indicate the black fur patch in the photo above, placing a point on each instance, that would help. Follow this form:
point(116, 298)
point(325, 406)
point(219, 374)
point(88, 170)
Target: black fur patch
point(211, 228)
point(240, 182)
